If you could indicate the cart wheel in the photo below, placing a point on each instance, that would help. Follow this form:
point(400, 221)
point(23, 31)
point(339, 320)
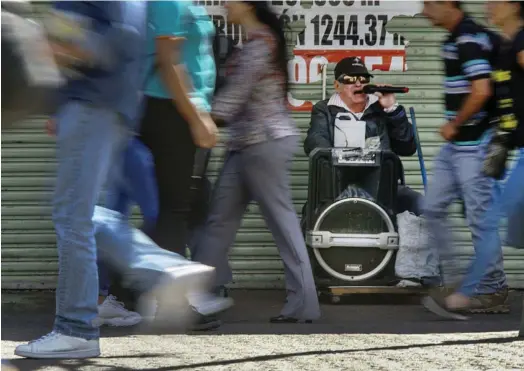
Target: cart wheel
point(335, 299)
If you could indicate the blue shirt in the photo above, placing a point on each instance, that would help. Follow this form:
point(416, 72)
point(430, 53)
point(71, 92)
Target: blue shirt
point(115, 37)
point(191, 21)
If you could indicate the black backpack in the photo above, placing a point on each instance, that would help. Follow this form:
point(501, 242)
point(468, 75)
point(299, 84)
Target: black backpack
point(29, 78)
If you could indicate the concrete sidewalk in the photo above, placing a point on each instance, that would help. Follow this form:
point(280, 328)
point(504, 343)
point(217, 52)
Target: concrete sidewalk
point(366, 335)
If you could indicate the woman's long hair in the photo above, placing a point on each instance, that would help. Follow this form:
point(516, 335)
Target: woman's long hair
point(266, 16)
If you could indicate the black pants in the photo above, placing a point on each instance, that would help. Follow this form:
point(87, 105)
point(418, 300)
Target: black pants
point(167, 135)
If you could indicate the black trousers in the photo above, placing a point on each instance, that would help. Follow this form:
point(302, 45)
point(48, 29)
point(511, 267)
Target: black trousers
point(167, 135)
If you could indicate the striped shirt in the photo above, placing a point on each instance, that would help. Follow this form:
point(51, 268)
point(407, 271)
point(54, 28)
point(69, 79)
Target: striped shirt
point(468, 55)
point(509, 88)
point(253, 100)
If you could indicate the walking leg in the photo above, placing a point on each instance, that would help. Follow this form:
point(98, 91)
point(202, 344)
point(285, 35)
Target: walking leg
point(266, 167)
point(487, 288)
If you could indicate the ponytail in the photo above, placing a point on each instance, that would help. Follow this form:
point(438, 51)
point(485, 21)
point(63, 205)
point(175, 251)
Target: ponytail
point(266, 16)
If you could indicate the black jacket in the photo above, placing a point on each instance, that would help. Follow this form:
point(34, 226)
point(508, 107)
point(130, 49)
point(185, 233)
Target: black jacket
point(394, 129)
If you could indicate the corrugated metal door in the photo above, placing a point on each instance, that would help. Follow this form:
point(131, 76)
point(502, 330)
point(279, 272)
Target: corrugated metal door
point(28, 241)
point(29, 253)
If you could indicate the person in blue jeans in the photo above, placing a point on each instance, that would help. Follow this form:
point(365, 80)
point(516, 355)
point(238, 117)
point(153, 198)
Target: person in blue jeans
point(104, 43)
point(177, 120)
point(508, 199)
point(170, 134)
point(469, 52)
point(137, 185)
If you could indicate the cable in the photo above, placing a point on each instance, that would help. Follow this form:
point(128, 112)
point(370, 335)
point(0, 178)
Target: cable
point(345, 136)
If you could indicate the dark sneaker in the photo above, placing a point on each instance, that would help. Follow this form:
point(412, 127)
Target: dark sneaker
point(441, 292)
point(206, 323)
point(485, 303)
point(436, 306)
point(490, 303)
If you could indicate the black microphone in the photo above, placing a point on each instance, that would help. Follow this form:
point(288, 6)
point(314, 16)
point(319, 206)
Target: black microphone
point(370, 89)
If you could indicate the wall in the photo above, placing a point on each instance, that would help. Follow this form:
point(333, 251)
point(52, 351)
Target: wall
point(28, 164)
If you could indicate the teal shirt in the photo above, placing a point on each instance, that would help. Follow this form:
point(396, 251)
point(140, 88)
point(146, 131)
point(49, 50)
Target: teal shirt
point(183, 19)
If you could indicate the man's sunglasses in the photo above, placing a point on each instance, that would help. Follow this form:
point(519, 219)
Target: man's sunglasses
point(349, 80)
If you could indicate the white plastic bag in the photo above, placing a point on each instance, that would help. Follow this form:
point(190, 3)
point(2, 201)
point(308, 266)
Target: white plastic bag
point(414, 258)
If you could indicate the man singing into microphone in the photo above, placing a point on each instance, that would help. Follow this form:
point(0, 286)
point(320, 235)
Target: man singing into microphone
point(384, 118)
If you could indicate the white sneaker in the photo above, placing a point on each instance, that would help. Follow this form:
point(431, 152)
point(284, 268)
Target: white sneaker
point(113, 313)
point(408, 283)
point(207, 304)
point(56, 345)
point(173, 308)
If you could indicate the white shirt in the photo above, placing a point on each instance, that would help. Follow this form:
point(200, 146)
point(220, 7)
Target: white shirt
point(336, 101)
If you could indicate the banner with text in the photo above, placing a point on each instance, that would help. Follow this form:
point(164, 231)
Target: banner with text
point(334, 29)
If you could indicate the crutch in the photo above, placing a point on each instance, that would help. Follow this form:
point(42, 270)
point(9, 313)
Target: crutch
point(419, 149)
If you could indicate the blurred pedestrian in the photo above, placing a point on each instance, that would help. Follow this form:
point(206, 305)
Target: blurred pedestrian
point(469, 52)
point(100, 47)
point(508, 76)
point(262, 141)
point(137, 185)
point(180, 84)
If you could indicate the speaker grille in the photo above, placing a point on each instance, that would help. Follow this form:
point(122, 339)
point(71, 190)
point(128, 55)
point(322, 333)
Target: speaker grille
point(353, 216)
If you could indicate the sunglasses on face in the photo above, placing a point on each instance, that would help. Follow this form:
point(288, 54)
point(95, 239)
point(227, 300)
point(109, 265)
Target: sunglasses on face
point(349, 80)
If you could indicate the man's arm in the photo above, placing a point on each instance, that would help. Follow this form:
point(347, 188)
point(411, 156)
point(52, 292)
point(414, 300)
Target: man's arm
point(167, 18)
point(400, 131)
point(318, 132)
point(477, 69)
point(520, 58)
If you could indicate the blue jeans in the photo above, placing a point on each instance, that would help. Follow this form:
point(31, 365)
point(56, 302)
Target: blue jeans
point(130, 252)
point(508, 202)
point(88, 138)
point(136, 185)
point(457, 175)
point(515, 210)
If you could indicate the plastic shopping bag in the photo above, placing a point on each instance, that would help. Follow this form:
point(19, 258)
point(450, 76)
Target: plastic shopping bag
point(414, 258)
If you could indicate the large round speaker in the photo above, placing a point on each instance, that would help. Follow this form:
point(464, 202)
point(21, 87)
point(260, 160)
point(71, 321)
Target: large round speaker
point(353, 239)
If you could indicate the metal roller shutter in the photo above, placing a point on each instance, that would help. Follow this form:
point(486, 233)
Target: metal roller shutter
point(28, 241)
